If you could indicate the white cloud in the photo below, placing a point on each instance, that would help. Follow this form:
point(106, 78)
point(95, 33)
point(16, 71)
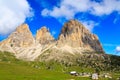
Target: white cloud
point(12, 14)
point(69, 8)
point(106, 7)
point(59, 12)
point(118, 49)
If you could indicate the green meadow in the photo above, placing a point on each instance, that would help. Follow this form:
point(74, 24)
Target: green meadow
point(14, 69)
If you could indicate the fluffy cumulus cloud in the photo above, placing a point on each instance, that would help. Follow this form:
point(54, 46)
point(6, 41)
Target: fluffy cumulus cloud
point(12, 14)
point(69, 8)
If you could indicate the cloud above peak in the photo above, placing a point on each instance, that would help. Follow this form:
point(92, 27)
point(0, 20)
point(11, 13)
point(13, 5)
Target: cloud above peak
point(67, 9)
point(12, 14)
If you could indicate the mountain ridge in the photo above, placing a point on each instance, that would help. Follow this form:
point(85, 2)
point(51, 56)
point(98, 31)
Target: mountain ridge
point(74, 39)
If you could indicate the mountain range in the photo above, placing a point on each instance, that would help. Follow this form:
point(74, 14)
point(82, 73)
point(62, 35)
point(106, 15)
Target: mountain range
point(73, 40)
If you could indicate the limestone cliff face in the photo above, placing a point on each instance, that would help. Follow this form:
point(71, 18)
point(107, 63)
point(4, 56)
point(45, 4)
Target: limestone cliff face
point(43, 36)
point(22, 37)
point(75, 34)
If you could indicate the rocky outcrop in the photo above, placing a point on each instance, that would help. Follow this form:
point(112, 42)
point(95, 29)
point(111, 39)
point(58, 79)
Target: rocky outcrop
point(43, 36)
point(22, 37)
point(75, 34)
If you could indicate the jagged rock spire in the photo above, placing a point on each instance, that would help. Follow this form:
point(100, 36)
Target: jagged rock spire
point(43, 36)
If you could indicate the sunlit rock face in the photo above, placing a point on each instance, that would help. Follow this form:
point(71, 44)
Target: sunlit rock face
point(22, 37)
point(75, 34)
point(43, 36)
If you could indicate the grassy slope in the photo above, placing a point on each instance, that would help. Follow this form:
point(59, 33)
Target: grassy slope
point(13, 69)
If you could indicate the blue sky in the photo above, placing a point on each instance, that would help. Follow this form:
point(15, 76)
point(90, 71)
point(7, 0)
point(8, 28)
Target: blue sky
point(101, 17)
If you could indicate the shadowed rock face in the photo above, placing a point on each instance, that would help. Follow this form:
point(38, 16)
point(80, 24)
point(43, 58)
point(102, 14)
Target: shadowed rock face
point(43, 36)
point(75, 34)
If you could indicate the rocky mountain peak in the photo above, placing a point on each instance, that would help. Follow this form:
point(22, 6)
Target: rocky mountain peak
point(75, 34)
point(22, 28)
point(43, 36)
point(21, 37)
point(73, 26)
point(44, 29)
